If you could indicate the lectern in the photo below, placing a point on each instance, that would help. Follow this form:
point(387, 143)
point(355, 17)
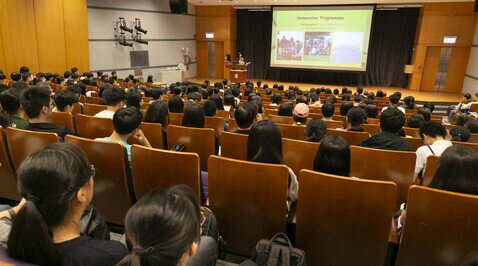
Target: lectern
point(238, 72)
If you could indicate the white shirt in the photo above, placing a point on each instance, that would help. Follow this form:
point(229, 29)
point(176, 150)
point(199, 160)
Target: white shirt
point(399, 108)
point(423, 152)
point(105, 114)
point(467, 106)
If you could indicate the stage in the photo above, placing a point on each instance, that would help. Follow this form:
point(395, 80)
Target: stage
point(435, 97)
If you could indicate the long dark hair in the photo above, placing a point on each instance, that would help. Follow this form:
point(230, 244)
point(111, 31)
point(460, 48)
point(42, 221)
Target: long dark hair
point(194, 116)
point(264, 144)
point(161, 227)
point(333, 156)
point(218, 100)
point(134, 98)
point(157, 113)
point(457, 171)
point(49, 180)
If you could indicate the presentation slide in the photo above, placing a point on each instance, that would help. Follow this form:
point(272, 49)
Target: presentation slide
point(329, 37)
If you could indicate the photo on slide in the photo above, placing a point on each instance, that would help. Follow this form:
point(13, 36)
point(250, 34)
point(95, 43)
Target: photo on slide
point(290, 45)
point(347, 47)
point(317, 43)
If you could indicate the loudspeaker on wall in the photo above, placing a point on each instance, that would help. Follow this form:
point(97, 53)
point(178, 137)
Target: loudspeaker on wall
point(178, 6)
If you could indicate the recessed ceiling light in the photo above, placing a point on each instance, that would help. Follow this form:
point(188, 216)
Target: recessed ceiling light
point(237, 2)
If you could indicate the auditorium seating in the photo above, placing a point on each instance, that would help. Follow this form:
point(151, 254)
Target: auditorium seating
point(93, 109)
point(352, 138)
point(375, 164)
point(343, 221)
point(249, 204)
point(22, 143)
point(292, 131)
point(153, 168)
point(232, 125)
point(333, 124)
point(216, 123)
point(9, 188)
point(440, 228)
point(93, 100)
point(473, 138)
point(412, 132)
point(224, 114)
point(153, 132)
point(234, 145)
point(430, 169)
point(113, 191)
point(372, 129)
point(175, 119)
point(341, 118)
point(287, 120)
point(473, 146)
point(93, 127)
point(63, 119)
point(298, 155)
point(198, 140)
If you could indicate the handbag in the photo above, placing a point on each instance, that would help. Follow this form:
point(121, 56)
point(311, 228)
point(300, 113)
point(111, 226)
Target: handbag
point(179, 147)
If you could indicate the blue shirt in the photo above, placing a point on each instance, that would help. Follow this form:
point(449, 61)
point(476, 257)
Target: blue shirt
point(124, 143)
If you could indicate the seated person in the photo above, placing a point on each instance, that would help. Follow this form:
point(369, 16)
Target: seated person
point(194, 117)
point(210, 108)
point(315, 130)
point(300, 114)
point(176, 104)
point(315, 100)
point(394, 99)
point(115, 99)
point(409, 102)
point(65, 101)
point(10, 101)
point(460, 119)
point(391, 122)
point(328, 110)
point(192, 98)
point(264, 145)
point(58, 185)
point(345, 107)
point(229, 103)
point(157, 94)
point(3, 82)
point(429, 106)
point(134, 98)
point(126, 122)
point(158, 113)
point(245, 115)
point(459, 133)
point(333, 156)
point(433, 135)
point(285, 109)
point(164, 228)
point(472, 126)
point(355, 119)
point(415, 120)
point(358, 99)
point(276, 99)
point(38, 105)
point(372, 111)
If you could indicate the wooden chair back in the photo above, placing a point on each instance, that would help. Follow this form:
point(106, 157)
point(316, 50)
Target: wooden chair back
point(77, 109)
point(298, 154)
point(430, 169)
point(474, 108)
point(93, 100)
point(292, 131)
point(21, 143)
point(344, 221)
point(63, 119)
point(375, 164)
point(198, 140)
point(112, 195)
point(412, 132)
point(224, 114)
point(473, 146)
point(352, 138)
point(372, 129)
point(153, 132)
point(286, 120)
point(93, 127)
point(261, 193)
point(153, 168)
point(414, 142)
point(9, 188)
point(373, 121)
point(234, 145)
point(175, 119)
point(473, 138)
point(93, 109)
point(440, 228)
point(333, 124)
point(341, 118)
point(216, 123)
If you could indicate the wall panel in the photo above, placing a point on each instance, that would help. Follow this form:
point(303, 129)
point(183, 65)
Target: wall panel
point(2, 53)
point(76, 34)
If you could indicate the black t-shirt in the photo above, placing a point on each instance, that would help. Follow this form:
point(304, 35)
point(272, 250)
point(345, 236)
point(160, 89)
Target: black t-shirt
point(88, 251)
point(48, 127)
point(386, 141)
point(242, 131)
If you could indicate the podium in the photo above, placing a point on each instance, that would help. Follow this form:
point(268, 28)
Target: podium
point(237, 72)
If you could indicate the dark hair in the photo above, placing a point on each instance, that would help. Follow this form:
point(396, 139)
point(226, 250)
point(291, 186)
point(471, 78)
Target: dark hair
point(415, 120)
point(285, 109)
point(34, 99)
point(426, 113)
point(10, 101)
point(460, 119)
point(264, 144)
point(392, 120)
point(49, 179)
point(210, 108)
point(380, 94)
point(394, 98)
point(229, 100)
point(276, 98)
point(333, 156)
point(467, 96)
point(328, 109)
point(176, 104)
point(24, 69)
point(409, 102)
point(457, 171)
point(216, 98)
point(345, 97)
point(161, 226)
point(356, 116)
point(64, 98)
point(358, 98)
point(432, 129)
point(67, 74)
point(336, 91)
point(315, 130)
point(245, 115)
point(372, 111)
point(194, 116)
point(345, 107)
point(75, 89)
point(113, 96)
point(156, 93)
point(472, 125)
point(133, 98)
point(150, 79)
point(157, 113)
point(461, 134)
point(126, 120)
point(359, 90)
point(430, 106)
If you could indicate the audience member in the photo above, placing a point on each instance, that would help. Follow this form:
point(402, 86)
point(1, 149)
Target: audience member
point(427, 115)
point(158, 113)
point(276, 99)
point(328, 110)
point(10, 101)
point(175, 104)
point(315, 130)
point(315, 100)
point(229, 103)
point(433, 135)
point(218, 100)
point(345, 107)
point(394, 99)
point(372, 111)
point(65, 101)
point(285, 109)
point(210, 107)
point(459, 133)
point(134, 98)
point(3, 83)
point(356, 116)
point(194, 117)
point(245, 115)
point(333, 156)
point(415, 120)
point(115, 99)
point(409, 102)
point(300, 113)
point(430, 106)
point(157, 94)
point(460, 119)
point(472, 126)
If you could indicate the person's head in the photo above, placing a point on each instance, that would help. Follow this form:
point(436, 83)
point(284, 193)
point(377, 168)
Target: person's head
point(156, 93)
point(15, 76)
point(114, 97)
point(460, 119)
point(127, 120)
point(328, 110)
point(394, 99)
point(358, 99)
point(65, 100)
point(194, 116)
point(472, 126)
point(67, 75)
point(345, 107)
point(210, 108)
point(245, 115)
point(333, 156)
point(300, 113)
point(457, 171)
point(392, 120)
point(229, 100)
point(276, 98)
point(431, 132)
point(163, 227)
point(175, 104)
point(258, 83)
point(415, 120)
point(264, 144)
point(430, 106)
point(426, 113)
point(150, 79)
point(409, 102)
point(301, 99)
point(37, 103)
point(467, 96)
point(372, 111)
point(134, 98)
point(57, 183)
point(75, 89)
point(359, 90)
point(285, 109)
point(459, 133)
point(355, 118)
point(345, 97)
point(380, 93)
point(74, 70)
point(336, 91)
point(24, 70)
point(157, 113)
point(315, 130)
point(217, 98)
point(314, 97)
point(10, 101)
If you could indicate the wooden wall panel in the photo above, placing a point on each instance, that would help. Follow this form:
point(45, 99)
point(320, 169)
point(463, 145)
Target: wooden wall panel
point(17, 20)
point(2, 53)
point(456, 69)
point(201, 59)
point(50, 33)
point(430, 70)
point(76, 34)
